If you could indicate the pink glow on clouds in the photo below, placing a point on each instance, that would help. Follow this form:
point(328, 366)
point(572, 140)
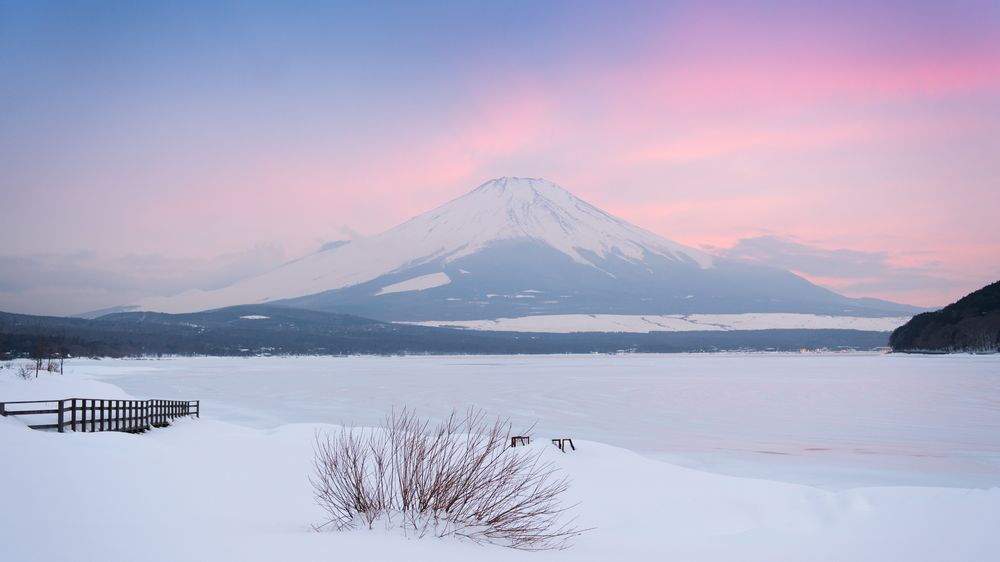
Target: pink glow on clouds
point(595, 150)
point(815, 128)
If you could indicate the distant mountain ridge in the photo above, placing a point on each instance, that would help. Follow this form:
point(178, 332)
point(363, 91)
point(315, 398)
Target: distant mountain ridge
point(274, 330)
point(970, 324)
point(516, 247)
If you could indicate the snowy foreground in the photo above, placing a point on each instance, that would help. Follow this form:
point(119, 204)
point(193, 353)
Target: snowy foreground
point(233, 485)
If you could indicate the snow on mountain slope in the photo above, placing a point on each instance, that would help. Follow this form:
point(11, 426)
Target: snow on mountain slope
point(420, 283)
point(500, 210)
point(513, 208)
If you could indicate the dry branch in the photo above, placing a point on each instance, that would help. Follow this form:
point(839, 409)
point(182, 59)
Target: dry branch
point(458, 478)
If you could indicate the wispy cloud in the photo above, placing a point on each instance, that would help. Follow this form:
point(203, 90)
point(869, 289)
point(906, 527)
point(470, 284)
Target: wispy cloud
point(79, 282)
point(849, 271)
point(869, 123)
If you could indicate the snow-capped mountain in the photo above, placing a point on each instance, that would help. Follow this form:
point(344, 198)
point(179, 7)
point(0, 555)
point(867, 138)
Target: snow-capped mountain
point(517, 247)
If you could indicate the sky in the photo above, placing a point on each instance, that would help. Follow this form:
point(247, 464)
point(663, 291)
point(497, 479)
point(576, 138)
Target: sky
point(147, 148)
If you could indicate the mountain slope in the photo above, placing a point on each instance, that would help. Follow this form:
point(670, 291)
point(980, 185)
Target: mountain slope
point(515, 247)
point(970, 324)
point(506, 209)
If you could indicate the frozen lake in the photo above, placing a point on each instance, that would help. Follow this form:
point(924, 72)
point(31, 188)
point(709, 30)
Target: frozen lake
point(834, 421)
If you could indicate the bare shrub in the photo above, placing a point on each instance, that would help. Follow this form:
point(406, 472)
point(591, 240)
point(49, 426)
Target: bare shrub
point(458, 478)
point(25, 371)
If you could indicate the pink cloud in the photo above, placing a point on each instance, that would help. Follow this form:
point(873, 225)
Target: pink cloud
point(726, 124)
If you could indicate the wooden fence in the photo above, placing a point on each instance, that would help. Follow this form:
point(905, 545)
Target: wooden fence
point(92, 414)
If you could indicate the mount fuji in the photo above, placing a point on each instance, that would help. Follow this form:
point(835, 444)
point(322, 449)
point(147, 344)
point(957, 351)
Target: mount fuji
point(526, 252)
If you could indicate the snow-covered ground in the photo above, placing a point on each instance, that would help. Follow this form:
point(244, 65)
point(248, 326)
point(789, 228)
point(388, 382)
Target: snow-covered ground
point(570, 323)
point(232, 485)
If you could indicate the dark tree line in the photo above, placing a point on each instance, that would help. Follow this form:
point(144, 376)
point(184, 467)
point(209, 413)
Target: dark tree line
point(972, 324)
point(226, 332)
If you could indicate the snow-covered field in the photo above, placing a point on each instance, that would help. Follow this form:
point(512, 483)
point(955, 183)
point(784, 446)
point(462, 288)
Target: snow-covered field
point(903, 454)
point(570, 323)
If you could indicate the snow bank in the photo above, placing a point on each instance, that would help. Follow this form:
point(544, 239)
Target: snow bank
point(212, 490)
point(204, 490)
point(51, 386)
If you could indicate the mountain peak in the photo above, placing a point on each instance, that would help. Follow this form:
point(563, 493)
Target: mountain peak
point(516, 198)
point(514, 183)
point(500, 211)
point(510, 208)
point(511, 190)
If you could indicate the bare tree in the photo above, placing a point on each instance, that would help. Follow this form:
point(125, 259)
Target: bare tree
point(36, 355)
point(458, 478)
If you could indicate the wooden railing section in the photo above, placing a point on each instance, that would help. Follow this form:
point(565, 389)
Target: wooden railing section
point(94, 414)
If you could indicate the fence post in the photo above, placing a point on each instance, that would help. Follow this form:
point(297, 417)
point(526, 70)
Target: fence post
point(197, 408)
point(72, 414)
point(59, 418)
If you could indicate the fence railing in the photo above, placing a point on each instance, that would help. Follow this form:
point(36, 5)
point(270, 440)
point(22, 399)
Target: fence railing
point(94, 414)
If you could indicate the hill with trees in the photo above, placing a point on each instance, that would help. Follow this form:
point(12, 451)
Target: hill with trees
point(972, 324)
